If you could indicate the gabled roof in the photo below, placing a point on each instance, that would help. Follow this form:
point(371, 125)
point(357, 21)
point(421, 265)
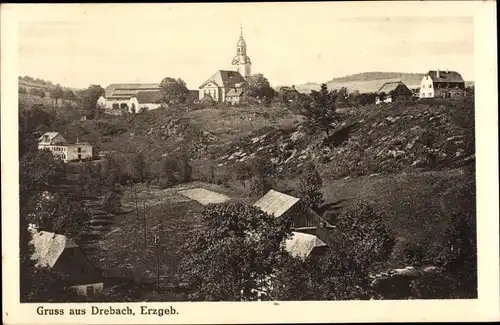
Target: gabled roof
point(390, 86)
point(276, 203)
point(128, 90)
point(149, 97)
point(61, 254)
point(445, 76)
point(49, 247)
point(234, 92)
point(51, 135)
point(301, 245)
point(225, 78)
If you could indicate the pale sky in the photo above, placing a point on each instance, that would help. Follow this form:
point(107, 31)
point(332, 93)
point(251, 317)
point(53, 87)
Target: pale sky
point(290, 43)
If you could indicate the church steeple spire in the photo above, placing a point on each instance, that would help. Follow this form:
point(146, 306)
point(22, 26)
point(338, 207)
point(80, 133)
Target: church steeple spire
point(241, 59)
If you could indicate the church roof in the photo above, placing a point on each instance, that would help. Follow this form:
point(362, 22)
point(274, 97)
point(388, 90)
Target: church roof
point(241, 42)
point(225, 79)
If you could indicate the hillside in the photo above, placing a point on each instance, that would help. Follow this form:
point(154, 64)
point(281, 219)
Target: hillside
point(413, 162)
point(368, 81)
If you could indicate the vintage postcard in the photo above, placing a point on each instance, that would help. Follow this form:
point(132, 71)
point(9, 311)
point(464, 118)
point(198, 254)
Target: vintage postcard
point(230, 163)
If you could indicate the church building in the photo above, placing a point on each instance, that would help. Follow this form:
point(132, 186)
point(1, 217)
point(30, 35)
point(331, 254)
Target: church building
point(225, 82)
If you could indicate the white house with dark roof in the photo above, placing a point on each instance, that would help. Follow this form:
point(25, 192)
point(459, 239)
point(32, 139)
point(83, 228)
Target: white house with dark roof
point(61, 254)
point(145, 101)
point(117, 97)
point(442, 84)
point(60, 148)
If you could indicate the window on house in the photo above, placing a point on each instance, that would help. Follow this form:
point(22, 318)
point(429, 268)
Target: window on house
point(79, 149)
point(90, 291)
point(430, 86)
point(429, 94)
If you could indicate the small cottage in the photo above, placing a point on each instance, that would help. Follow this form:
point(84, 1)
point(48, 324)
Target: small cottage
point(305, 246)
point(63, 255)
point(234, 95)
point(304, 219)
point(393, 92)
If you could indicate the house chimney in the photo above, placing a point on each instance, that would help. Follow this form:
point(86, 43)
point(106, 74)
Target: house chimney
point(447, 71)
point(77, 140)
point(437, 73)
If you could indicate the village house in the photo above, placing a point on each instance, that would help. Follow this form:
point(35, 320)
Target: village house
point(61, 254)
point(60, 148)
point(145, 101)
point(395, 91)
point(442, 84)
point(304, 219)
point(288, 94)
point(233, 96)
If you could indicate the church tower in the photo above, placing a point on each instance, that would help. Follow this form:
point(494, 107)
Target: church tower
point(241, 60)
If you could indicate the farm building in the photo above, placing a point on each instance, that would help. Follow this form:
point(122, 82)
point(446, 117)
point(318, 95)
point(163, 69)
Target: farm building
point(282, 205)
point(62, 255)
point(288, 94)
point(145, 101)
point(117, 96)
point(305, 246)
point(393, 92)
point(60, 148)
point(442, 84)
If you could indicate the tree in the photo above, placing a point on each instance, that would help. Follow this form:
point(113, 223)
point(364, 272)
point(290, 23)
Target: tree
point(57, 93)
point(69, 95)
point(243, 172)
point(89, 98)
point(173, 90)
point(362, 233)
point(137, 168)
point(334, 276)
point(320, 111)
point(341, 97)
point(235, 254)
point(262, 172)
point(258, 86)
point(168, 169)
point(310, 186)
point(39, 171)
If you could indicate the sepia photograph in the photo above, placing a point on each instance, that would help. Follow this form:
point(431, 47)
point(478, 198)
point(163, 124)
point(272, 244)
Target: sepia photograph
point(244, 153)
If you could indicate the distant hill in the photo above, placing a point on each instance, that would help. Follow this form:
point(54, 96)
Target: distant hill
point(38, 91)
point(368, 81)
